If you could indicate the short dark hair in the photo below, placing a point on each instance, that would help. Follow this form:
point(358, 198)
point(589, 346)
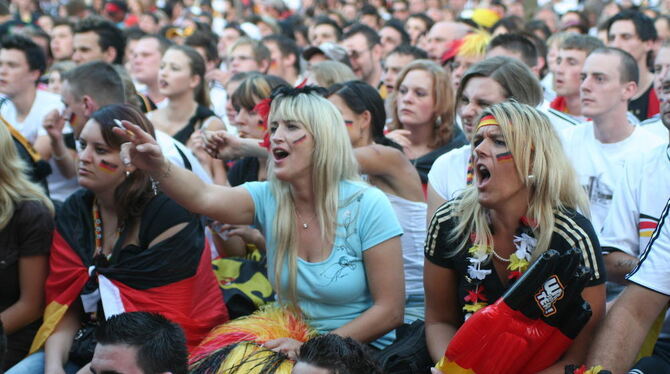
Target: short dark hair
point(397, 25)
point(585, 43)
point(517, 43)
point(511, 23)
point(98, 80)
point(628, 70)
point(423, 17)
point(133, 33)
point(108, 34)
point(287, 47)
point(538, 25)
point(34, 53)
point(163, 42)
point(206, 41)
point(323, 20)
point(64, 22)
point(160, 343)
point(370, 10)
point(410, 50)
point(341, 355)
point(371, 36)
point(644, 26)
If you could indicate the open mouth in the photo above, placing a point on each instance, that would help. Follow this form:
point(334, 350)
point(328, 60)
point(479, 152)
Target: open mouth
point(483, 173)
point(279, 154)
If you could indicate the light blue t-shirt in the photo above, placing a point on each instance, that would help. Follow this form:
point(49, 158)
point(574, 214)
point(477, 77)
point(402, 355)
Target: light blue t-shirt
point(334, 291)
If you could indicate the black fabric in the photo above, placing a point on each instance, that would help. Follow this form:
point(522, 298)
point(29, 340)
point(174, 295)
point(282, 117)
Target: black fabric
point(244, 170)
point(138, 266)
point(408, 354)
point(38, 171)
point(28, 233)
point(640, 106)
point(425, 162)
point(440, 246)
point(83, 344)
point(201, 114)
point(187, 163)
point(651, 365)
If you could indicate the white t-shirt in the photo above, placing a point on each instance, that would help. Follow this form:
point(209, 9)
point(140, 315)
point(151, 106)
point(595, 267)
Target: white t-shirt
point(449, 172)
point(560, 121)
point(31, 127)
point(171, 147)
point(600, 166)
point(638, 202)
point(653, 270)
point(656, 126)
point(60, 188)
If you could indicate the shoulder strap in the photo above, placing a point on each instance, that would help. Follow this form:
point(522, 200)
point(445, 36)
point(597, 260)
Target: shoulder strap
point(21, 139)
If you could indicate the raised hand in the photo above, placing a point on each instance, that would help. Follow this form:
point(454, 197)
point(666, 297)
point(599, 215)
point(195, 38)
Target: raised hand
point(222, 145)
point(140, 148)
point(53, 123)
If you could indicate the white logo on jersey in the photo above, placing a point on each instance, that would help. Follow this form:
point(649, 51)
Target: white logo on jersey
point(551, 292)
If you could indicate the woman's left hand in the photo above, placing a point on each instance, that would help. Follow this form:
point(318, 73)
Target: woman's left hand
point(287, 346)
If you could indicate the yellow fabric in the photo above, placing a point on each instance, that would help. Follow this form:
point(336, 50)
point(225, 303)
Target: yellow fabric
point(485, 17)
point(450, 367)
point(648, 346)
point(226, 270)
point(26, 144)
point(53, 313)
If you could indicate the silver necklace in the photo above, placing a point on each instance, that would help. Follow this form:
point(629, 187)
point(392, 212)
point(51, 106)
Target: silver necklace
point(499, 257)
point(305, 225)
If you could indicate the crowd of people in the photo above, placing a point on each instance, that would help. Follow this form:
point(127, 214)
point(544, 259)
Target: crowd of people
point(426, 185)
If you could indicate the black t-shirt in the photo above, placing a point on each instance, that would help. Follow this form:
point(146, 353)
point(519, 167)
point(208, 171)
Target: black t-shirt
point(571, 230)
point(28, 233)
point(244, 170)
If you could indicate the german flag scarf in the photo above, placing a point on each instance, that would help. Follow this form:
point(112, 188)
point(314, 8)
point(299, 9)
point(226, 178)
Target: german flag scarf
point(173, 277)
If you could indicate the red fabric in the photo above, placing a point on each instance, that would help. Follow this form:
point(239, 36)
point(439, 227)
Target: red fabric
point(654, 106)
point(560, 104)
point(67, 274)
point(505, 342)
point(196, 303)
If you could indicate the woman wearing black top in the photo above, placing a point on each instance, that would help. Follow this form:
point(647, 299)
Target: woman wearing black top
point(524, 202)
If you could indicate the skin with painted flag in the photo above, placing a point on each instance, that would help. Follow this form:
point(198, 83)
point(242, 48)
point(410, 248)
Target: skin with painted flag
point(530, 327)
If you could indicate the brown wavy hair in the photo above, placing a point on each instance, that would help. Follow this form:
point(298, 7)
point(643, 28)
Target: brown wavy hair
point(444, 101)
point(132, 195)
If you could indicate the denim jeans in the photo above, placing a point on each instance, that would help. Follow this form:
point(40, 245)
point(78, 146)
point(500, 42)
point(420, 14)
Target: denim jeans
point(34, 364)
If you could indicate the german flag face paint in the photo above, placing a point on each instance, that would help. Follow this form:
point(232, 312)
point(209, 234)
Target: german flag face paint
point(300, 139)
point(504, 157)
point(107, 167)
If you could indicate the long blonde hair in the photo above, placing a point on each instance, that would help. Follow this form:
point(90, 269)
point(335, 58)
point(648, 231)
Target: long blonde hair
point(15, 186)
point(537, 151)
point(333, 161)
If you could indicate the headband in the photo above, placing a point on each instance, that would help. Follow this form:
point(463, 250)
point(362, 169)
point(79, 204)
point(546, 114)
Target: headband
point(487, 121)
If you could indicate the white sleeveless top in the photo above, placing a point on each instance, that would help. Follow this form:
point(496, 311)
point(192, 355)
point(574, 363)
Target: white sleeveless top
point(412, 217)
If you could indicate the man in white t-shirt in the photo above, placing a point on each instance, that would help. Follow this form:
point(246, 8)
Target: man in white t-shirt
point(600, 150)
point(621, 335)
point(22, 62)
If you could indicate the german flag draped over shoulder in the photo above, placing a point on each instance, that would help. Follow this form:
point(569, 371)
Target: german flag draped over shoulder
point(173, 277)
